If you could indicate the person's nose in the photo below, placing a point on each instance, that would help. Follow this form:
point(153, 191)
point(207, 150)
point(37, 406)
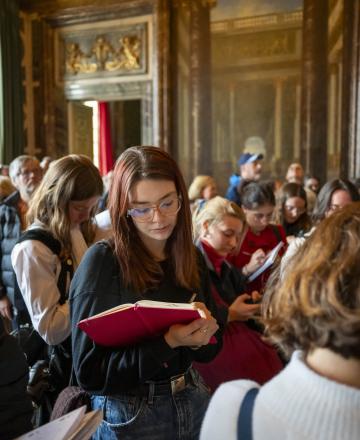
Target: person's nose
point(157, 215)
point(233, 241)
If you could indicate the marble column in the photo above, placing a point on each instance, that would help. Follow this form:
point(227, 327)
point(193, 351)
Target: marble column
point(296, 154)
point(278, 119)
point(314, 88)
point(200, 86)
point(350, 104)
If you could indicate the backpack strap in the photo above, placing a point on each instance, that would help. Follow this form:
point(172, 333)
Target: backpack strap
point(244, 422)
point(276, 232)
point(54, 245)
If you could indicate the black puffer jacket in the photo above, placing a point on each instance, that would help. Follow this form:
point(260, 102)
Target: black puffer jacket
point(15, 404)
point(10, 231)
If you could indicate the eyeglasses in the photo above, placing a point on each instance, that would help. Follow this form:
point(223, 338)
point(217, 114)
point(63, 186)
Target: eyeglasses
point(292, 209)
point(167, 207)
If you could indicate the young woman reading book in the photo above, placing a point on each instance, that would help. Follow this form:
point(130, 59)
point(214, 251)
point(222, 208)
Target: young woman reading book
point(218, 228)
point(148, 389)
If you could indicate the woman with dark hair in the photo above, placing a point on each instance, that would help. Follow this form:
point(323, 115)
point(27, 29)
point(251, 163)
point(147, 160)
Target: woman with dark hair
point(260, 236)
point(334, 195)
point(291, 210)
point(313, 315)
point(148, 389)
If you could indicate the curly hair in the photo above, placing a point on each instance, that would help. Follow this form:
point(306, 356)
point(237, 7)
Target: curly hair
point(317, 304)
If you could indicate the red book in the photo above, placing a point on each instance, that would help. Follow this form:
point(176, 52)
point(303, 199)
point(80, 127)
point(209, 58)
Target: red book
point(131, 323)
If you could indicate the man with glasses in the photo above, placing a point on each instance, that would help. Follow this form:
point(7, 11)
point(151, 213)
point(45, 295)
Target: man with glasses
point(26, 174)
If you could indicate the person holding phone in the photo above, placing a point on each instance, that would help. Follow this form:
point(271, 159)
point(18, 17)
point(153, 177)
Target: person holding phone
point(219, 227)
point(149, 389)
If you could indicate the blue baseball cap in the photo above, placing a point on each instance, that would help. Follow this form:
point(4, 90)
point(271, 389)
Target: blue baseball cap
point(248, 158)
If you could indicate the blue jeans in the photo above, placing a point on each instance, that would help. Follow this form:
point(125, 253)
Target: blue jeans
point(166, 417)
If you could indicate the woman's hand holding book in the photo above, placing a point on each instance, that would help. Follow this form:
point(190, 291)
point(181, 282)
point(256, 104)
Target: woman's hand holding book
point(195, 334)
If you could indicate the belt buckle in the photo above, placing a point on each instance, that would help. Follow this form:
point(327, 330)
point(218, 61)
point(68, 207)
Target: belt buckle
point(178, 384)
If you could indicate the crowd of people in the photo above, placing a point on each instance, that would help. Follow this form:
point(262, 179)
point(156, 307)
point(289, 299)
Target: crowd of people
point(276, 349)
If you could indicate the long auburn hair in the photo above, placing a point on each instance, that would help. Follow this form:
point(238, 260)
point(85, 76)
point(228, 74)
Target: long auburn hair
point(73, 177)
point(135, 164)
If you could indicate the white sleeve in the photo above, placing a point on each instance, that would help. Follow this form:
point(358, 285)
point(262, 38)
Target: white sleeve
point(292, 249)
point(220, 421)
point(103, 226)
point(37, 270)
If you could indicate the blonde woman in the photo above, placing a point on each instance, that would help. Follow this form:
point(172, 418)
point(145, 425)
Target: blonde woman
point(219, 227)
point(202, 188)
point(316, 311)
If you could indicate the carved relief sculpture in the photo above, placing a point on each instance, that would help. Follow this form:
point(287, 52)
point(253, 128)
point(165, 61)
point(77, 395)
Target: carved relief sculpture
point(128, 55)
point(103, 56)
point(77, 61)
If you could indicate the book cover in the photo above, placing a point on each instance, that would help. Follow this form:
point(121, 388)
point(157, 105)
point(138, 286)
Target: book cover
point(131, 323)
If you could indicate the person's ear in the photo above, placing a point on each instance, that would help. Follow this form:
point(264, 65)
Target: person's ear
point(205, 228)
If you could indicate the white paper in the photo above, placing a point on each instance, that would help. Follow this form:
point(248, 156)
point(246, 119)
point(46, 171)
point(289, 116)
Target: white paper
point(59, 429)
point(268, 262)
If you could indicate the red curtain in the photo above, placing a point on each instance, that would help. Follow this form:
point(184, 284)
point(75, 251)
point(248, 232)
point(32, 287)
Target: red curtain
point(105, 146)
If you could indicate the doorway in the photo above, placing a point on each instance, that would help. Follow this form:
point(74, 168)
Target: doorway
point(125, 123)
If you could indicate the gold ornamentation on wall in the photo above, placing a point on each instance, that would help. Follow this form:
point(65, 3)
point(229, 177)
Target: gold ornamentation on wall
point(103, 56)
point(77, 61)
point(127, 56)
point(187, 4)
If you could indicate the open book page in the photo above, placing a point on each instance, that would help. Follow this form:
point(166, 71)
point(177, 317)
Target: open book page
point(151, 304)
point(59, 429)
point(169, 305)
point(271, 257)
point(113, 310)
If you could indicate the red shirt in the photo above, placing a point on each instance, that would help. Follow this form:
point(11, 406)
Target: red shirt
point(265, 240)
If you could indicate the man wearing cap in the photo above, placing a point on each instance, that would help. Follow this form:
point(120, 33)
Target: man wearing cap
point(250, 169)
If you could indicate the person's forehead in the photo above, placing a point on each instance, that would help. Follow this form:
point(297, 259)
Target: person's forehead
point(30, 164)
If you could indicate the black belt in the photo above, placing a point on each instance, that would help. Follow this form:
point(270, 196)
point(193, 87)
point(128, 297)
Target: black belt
point(165, 387)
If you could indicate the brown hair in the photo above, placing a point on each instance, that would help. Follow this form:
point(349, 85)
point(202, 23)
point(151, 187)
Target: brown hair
point(135, 164)
point(317, 302)
point(73, 177)
point(286, 192)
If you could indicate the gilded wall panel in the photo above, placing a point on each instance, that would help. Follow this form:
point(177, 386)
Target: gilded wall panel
point(104, 50)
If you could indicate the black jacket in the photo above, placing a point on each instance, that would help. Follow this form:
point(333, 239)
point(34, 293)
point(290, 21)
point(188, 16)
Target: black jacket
point(10, 231)
point(229, 284)
point(97, 286)
point(15, 404)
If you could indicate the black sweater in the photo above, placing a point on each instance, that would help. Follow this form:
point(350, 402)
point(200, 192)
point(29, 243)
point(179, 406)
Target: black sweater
point(96, 287)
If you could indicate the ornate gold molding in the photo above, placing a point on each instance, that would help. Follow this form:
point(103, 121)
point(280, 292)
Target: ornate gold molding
point(187, 4)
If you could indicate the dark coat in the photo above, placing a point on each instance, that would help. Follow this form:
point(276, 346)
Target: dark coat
point(15, 404)
point(10, 231)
